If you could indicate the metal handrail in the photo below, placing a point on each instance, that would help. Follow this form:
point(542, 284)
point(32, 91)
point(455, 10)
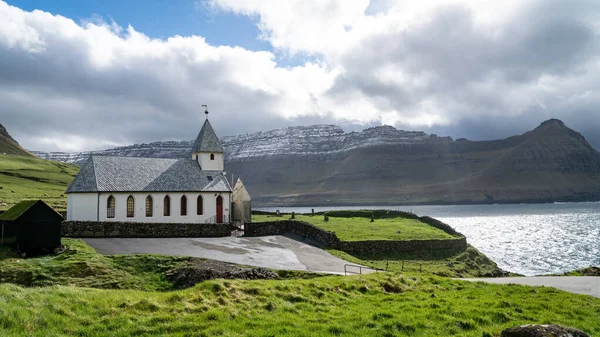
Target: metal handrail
point(420, 265)
point(213, 219)
point(360, 268)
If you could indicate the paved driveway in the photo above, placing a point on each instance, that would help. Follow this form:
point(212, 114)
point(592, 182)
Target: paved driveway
point(277, 252)
point(586, 285)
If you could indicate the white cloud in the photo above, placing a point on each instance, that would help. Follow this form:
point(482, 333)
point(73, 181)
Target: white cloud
point(438, 65)
point(427, 63)
point(113, 86)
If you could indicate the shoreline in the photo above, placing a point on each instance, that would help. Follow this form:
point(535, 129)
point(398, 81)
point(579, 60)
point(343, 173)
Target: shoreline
point(260, 206)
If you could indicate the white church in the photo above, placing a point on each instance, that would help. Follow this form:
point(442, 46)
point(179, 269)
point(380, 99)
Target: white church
point(130, 189)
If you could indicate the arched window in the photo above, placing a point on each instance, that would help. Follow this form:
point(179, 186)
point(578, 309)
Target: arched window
point(212, 156)
point(149, 206)
point(130, 207)
point(184, 205)
point(110, 207)
point(199, 205)
point(167, 206)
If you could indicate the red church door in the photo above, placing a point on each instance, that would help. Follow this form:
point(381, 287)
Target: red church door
point(219, 209)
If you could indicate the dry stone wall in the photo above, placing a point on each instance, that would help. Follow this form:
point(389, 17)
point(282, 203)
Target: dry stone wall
point(370, 248)
point(329, 240)
point(94, 229)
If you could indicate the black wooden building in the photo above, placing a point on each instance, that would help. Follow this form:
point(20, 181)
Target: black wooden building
point(31, 225)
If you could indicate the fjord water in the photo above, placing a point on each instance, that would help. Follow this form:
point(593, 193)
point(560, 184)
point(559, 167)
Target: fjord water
point(529, 239)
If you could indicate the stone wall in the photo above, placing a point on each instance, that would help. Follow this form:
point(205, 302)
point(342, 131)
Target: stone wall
point(89, 229)
point(303, 229)
point(330, 240)
point(265, 228)
point(380, 214)
point(370, 248)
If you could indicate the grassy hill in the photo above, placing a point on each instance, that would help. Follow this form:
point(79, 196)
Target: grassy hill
point(67, 295)
point(356, 228)
point(9, 145)
point(355, 225)
point(24, 177)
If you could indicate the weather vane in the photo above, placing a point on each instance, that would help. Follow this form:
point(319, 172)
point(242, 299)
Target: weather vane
point(206, 109)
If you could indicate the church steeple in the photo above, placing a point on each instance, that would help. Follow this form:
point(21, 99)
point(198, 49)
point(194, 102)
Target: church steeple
point(207, 148)
point(207, 140)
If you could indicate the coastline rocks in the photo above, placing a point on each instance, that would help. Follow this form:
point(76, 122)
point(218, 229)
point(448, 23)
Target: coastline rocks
point(589, 271)
point(538, 330)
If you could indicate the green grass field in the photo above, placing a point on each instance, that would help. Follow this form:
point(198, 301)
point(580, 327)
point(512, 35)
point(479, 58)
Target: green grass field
point(82, 293)
point(34, 178)
point(79, 265)
point(360, 228)
point(373, 305)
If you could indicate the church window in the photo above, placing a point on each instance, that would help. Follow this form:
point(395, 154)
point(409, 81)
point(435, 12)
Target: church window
point(110, 207)
point(130, 207)
point(212, 156)
point(184, 205)
point(199, 205)
point(167, 206)
point(149, 206)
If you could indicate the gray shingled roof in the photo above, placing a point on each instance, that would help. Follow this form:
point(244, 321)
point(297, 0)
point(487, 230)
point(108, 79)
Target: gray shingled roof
point(130, 174)
point(207, 140)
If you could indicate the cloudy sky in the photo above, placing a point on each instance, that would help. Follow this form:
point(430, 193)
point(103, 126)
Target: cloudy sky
point(96, 74)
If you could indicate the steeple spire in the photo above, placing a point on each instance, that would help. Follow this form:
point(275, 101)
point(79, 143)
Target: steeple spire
point(205, 110)
point(207, 140)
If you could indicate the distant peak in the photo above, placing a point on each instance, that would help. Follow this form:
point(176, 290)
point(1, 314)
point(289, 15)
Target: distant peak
point(4, 132)
point(553, 122)
point(381, 128)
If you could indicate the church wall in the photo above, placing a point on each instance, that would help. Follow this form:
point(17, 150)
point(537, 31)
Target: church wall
point(211, 165)
point(209, 200)
point(82, 206)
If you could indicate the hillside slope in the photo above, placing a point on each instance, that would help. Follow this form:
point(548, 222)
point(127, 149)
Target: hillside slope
point(550, 163)
point(33, 178)
point(10, 146)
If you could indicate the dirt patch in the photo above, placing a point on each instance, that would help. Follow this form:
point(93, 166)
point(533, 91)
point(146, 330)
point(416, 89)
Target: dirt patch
point(198, 270)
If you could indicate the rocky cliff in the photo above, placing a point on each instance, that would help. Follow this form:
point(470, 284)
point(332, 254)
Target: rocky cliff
point(320, 165)
point(317, 140)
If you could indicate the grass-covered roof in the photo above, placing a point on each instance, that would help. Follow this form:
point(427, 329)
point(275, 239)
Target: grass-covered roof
point(17, 210)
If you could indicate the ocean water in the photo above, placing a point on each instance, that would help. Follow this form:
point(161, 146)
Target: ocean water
point(529, 239)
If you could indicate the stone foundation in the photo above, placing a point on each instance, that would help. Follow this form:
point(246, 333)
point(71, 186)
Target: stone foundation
point(94, 229)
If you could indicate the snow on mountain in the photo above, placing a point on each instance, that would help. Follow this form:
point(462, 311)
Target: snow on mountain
point(299, 140)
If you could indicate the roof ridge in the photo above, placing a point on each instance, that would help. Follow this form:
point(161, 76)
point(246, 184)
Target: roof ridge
point(94, 173)
point(130, 157)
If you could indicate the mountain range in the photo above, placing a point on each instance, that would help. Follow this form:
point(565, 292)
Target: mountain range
point(323, 165)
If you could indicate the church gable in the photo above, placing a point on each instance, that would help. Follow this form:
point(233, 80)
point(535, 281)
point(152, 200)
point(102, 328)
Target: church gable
point(85, 181)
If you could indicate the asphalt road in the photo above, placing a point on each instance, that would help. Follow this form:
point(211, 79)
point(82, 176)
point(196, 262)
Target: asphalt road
point(276, 252)
point(586, 285)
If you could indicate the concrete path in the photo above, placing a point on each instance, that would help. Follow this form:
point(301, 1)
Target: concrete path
point(586, 285)
point(276, 252)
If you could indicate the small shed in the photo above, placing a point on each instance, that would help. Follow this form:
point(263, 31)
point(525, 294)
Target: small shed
point(31, 225)
point(241, 203)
